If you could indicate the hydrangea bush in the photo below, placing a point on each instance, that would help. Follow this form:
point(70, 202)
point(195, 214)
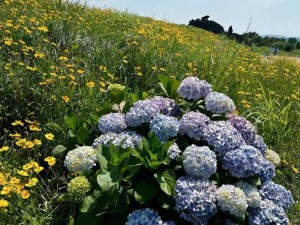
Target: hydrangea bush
point(187, 160)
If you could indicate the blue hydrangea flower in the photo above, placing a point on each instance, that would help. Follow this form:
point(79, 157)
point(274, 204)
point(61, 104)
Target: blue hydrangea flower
point(112, 122)
point(243, 162)
point(245, 127)
point(104, 139)
point(251, 192)
point(142, 112)
point(232, 199)
point(267, 170)
point(195, 199)
point(80, 159)
point(127, 139)
point(164, 127)
point(278, 194)
point(193, 88)
point(193, 124)
point(145, 217)
point(268, 213)
point(219, 103)
point(258, 142)
point(223, 137)
point(200, 162)
point(166, 106)
point(174, 152)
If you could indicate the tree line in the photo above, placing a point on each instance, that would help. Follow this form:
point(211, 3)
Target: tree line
point(248, 38)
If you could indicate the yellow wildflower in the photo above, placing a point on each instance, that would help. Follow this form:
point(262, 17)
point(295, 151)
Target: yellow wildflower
point(23, 173)
point(4, 148)
point(50, 160)
point(14, 180)
point(34, 127)
point(42, 28)
point(32, 182)
point(3, 203)
point(21, 142)
point(296, 170)
point(38, 169)
point(18, 123)
point(37, 141)
point(49, 136)
point(63, 58)
point(90, 84)
point(65, 98)
point(28, 144)
point(5, 190)
point(25, 194)
point(80, 72)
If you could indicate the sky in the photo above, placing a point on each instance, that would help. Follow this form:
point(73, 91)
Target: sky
point(275, 17)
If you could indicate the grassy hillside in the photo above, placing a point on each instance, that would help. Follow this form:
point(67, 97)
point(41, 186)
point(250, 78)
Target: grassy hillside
point(57, 60)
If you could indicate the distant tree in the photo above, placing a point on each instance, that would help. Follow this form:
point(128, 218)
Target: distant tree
point(252, 38)
point(298, 45)
point(230, 31)
point(207, 24)
point(292, 42)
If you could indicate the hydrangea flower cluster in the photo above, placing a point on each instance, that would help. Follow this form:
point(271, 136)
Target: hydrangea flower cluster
point(223, 137)
point(80, 159)
point(247, 130)
point(267, 213)
point(251, 192)
point(278, 194)
point(258, 143)
point(174, 151)
point(199, 162)
point(78, 186)
point(219, 103)
point(195, 199)
point(243, 162)
point(193, 88)
point(194, 124)
point(145, 217)
point(112, 122)
point(166, 106)
point(164, 127)
point(220, 148)
point(232, 199)
point(142, 112)
point(126, 139)
point(273, 157)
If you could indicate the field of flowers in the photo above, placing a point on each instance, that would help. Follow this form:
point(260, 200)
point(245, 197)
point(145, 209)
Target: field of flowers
point(63, 66)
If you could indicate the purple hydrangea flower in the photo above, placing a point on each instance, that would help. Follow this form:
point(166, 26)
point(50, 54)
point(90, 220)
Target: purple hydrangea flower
point(127, 139)
point(193, 88)
point(258, 142)
point(277, 194)
point(164, 127)
point(145, 217)
point(200, 162)
point(112, 122)
point(142, 112)
point(195, 199)
point(232, 199)
point(193, 124)
point(268, 213)
point(166, 106)
point(247, 130)
point(219, 103)
point(267, 170)
point(174, 152)
point(223, 137)
point(243, 162)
